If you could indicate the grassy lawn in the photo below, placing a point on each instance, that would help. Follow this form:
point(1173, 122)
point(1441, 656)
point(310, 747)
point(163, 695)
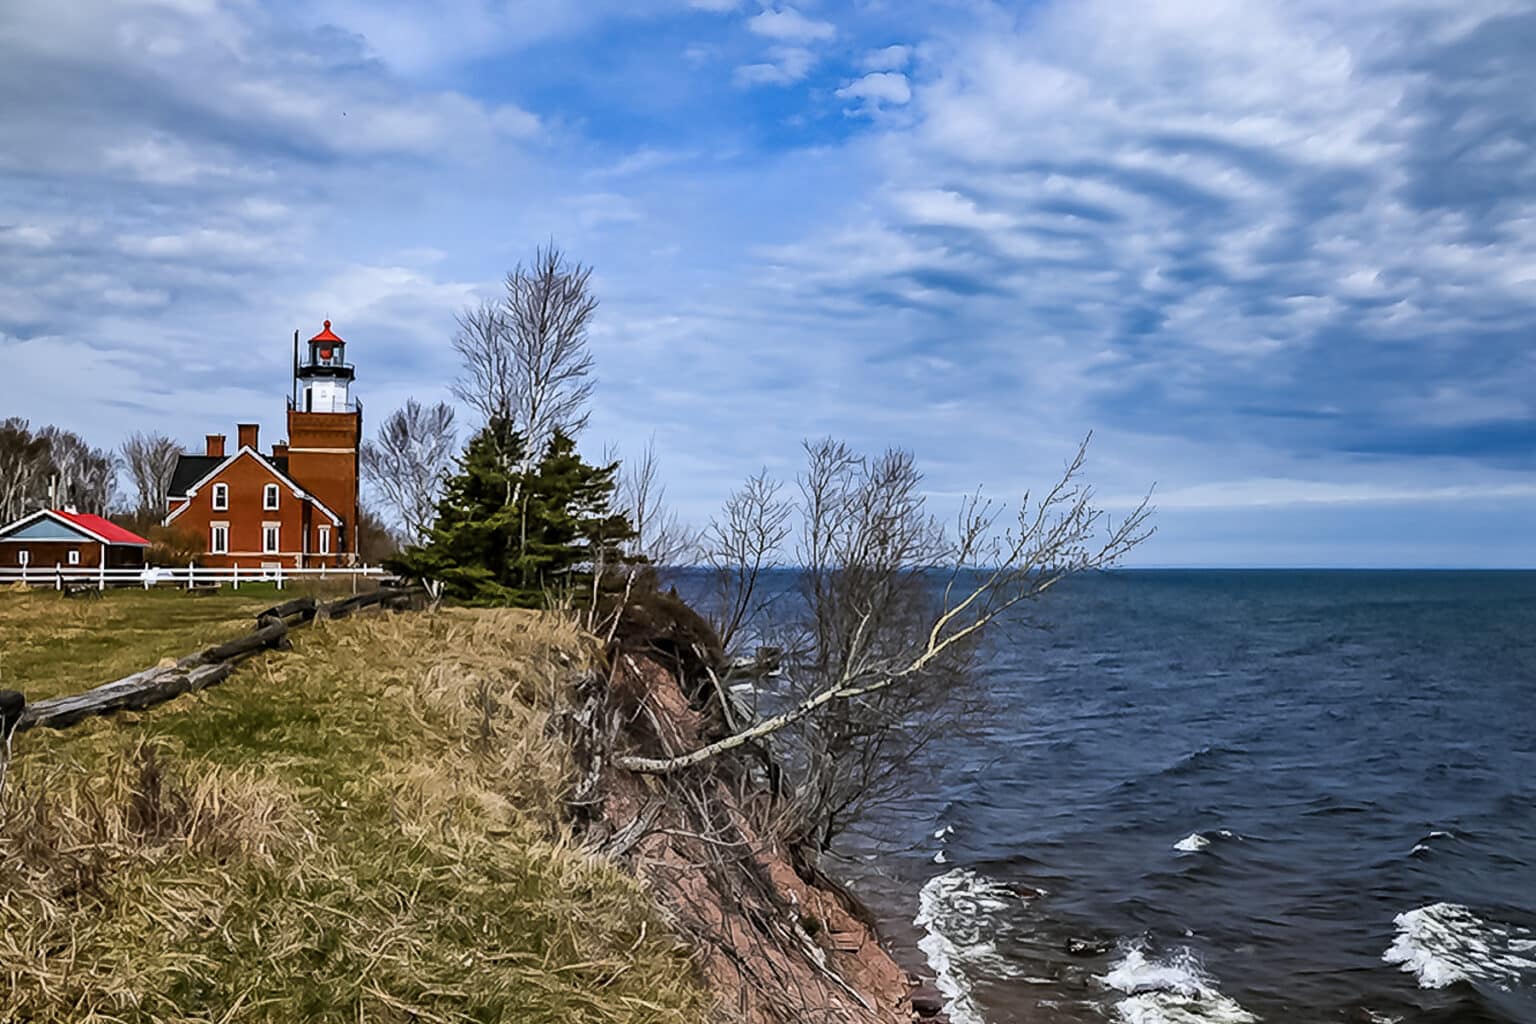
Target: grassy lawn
point(365, 828)
point(52, 645)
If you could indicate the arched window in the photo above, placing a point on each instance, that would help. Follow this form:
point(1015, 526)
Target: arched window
point(269, 497)
point(220, 497)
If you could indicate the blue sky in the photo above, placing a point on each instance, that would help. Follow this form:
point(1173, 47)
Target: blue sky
point(1279, 257)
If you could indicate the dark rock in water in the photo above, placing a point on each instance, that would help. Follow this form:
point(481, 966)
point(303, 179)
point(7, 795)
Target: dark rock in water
point(927, 1002)
point(1088, 947)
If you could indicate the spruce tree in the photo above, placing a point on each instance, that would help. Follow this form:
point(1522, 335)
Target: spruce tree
point(509, 535)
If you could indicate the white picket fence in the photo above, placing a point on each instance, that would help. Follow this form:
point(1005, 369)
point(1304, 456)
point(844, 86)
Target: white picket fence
point(190, 577)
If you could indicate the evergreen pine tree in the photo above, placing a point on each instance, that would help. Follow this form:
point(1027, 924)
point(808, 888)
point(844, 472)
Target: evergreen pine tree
point(506, 535)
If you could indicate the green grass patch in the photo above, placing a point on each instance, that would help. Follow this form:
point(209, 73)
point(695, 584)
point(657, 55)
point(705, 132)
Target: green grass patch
point(52, 645)
point(364, 828)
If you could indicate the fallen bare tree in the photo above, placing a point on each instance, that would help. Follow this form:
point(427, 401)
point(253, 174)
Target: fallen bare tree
point(893, 605)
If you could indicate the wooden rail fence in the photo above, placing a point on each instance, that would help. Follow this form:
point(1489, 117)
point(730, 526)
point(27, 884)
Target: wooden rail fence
point(196, 671)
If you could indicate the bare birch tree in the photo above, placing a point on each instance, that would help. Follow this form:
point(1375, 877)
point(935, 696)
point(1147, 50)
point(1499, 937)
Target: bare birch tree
point(407, 463)
point(24, 469)
point(81, 476)
point(894, 605)
point(525, 353)
point(525, 360)
point(151, 462)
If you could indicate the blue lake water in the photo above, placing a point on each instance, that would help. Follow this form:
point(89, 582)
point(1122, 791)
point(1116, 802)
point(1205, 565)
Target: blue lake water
point(1234, 796)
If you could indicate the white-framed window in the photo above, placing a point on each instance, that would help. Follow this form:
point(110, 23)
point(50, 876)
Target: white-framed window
point(23, 557)
point(74, 556)
point(218, 539)
point(269, 539)
point(325, 540)
point(269, 497)
point(220, 497)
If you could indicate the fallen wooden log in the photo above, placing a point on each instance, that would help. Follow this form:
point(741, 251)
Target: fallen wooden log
point(303, 607)
point(154, 685)
point(196, 671)
point(135, 693)
point(347, 605)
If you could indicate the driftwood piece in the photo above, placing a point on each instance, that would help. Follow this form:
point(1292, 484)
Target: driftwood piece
point(152, 686)
point(194, 672)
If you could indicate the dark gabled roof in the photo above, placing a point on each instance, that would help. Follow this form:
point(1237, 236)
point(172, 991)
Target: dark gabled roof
point(189, 470)
point(192, 468)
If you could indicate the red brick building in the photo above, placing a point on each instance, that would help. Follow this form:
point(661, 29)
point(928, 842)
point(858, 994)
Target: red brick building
point(58, 538)
point(295, 506)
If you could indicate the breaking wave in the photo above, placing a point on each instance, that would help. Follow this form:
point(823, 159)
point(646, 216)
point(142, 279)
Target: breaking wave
point(1197, 841)
point(962, 913)
point(1446, 943)
point(1173, 990)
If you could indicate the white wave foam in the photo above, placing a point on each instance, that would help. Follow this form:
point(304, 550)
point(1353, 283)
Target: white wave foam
point(1174, 990)
point(1445, 943)
point(962, 913)
point(1197, 841)
point(1422, 846)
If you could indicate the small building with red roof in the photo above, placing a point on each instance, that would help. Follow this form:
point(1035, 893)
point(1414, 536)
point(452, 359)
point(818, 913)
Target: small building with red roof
point(63, 538)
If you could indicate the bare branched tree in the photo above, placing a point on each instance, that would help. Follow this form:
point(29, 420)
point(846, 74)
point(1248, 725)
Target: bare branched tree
point(80, 475)
point(151, 461)
point(894, 606)
point(525, 353)
point(24, 469)
point(407, 463)
point(739, 546)
point(661, 538)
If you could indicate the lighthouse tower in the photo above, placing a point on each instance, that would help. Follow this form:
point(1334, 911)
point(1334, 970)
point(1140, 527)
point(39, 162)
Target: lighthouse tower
point(325, 377)
point(325, 431)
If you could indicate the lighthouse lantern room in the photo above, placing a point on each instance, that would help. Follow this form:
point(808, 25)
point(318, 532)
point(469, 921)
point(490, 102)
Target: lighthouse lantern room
point(325, 376)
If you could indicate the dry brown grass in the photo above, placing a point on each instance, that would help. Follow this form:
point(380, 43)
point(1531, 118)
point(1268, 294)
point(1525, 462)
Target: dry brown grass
point(366, 828)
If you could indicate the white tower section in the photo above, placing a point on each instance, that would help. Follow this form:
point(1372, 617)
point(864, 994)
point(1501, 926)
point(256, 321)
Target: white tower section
point(325, 376)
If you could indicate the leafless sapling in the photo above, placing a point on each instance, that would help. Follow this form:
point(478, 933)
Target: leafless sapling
point(406, 463)
point(739, 546)
point(661, 538)
point(151, 462)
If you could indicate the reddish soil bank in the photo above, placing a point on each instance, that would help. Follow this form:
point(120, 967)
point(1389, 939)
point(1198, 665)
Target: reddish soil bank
point(779, 942)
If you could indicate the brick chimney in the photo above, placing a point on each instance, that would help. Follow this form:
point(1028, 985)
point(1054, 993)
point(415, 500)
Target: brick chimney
point(215, 446)
point(280, 450)
point(247, 435)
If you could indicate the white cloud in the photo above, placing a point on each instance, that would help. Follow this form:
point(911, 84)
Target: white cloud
point(878, 87)
point(791, 26)
point(790, 64)
point(890, 58)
